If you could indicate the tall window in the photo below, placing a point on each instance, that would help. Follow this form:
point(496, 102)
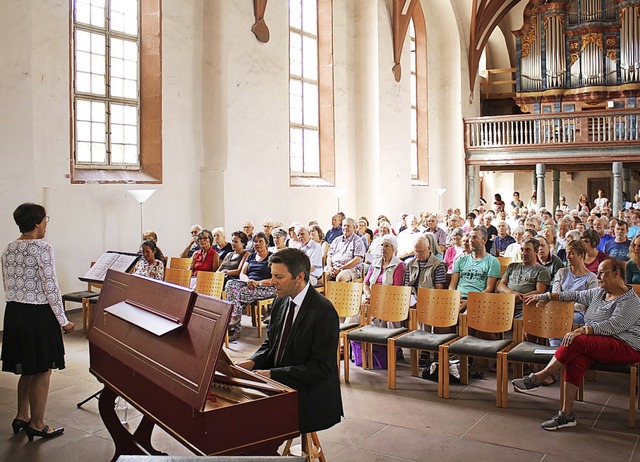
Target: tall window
point(414, 102)
point(106, 82)
point(419, 112)
point(310, 90)
point(109, 76)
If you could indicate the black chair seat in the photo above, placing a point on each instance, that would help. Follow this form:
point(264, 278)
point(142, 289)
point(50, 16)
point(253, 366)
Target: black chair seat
point(374, 334)
point(348, 325)
point(78, 296)
point(422, 340)
point(524, 353)
point(473, 346)
point(622, 368)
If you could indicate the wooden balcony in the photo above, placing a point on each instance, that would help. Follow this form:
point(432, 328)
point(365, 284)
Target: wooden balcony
point(559, 138)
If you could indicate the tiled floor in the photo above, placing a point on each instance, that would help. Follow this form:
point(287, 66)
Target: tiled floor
point(407, 424)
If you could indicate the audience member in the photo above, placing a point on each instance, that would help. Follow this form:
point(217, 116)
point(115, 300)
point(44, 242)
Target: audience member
point(455, 250)
point(221, 245)
point(247, 227)
point(313, 250)
point(336, 228)
point(502, 240)
point(633, 273)
point(593, 257)
point(267, 228)
point(516, 203)
point(619, 246)
point(190, 249)
point(547, 259)
point(234, 260)
point(386, 270)
point(344, 260)
point(148, 266)
point(206, 258)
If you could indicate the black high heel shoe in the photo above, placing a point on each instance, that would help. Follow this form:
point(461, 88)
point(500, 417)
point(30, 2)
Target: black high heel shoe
point(18, 425)
point(44, 433)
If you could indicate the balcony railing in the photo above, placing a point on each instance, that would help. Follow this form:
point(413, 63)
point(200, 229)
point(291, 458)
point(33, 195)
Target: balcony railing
point(554, 131)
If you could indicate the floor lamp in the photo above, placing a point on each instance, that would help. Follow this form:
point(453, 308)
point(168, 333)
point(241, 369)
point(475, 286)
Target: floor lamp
point(141, 195)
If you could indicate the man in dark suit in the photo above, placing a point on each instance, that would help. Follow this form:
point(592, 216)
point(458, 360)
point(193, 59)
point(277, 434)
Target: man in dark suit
point(300, 349)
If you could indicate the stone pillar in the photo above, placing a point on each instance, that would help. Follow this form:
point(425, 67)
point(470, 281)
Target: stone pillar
point(617, 187)
point(540, 171)
point(556, 190)
point(472, 187)
point(626, 176)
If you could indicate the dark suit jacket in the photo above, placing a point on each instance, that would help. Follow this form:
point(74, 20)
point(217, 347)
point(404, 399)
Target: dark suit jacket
point(309, 361)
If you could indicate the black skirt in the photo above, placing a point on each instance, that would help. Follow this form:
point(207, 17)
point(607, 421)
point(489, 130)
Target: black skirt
point(32, 339)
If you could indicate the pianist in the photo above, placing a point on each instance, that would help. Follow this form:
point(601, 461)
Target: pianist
point(300, 349)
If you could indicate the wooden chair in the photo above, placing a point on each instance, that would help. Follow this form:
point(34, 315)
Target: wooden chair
point(179, 277)
point(435, 308)
point(255, 311)
point(179, 263)
point(210, 283)
point(78, 296)
point(310, 448)
point(388, 303)
point(553, 320)
point(504, 262)
point(489, 313)
point(346, 298)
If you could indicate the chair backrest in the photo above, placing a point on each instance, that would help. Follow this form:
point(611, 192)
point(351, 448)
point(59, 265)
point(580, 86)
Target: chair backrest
point(504, 262)
point(179, 277)
point(490, 312)
point(389, 303)
point(179, 263)
point(345, 296)
point(210, 283)
point(551, 320)
point(636, 288)
point(438, 307)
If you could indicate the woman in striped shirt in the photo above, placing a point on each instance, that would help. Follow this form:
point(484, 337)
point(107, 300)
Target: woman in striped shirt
point(610, 335)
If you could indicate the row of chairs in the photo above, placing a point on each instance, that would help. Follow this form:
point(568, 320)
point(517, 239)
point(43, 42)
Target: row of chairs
point(486, 313)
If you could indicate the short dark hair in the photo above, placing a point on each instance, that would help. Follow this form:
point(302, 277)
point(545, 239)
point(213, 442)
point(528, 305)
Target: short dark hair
point(578, 247)
point(534, 242)
point(242, 236)
point(482, 230)
point(592, 235)
point(295, 260)
point(262, 236)
point(621, 223)
point(28, 215)
point(151, 244)
point(206, 233)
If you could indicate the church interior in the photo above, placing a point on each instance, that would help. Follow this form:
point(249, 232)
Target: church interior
point(407, 106)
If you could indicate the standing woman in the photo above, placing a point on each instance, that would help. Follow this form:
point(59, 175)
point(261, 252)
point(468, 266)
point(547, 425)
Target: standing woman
point(32, 343)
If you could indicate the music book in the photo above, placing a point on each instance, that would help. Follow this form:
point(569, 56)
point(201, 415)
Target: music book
point(544, 351)
point(143, 318)
point(118, 261)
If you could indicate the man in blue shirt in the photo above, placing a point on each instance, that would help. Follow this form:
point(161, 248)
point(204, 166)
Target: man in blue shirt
point(619, 247)
point(336, 228)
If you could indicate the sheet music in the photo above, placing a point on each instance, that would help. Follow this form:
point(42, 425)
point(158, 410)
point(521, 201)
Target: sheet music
point(117, 261)
point(148, 321)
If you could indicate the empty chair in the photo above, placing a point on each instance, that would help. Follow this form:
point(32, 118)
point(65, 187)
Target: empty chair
point(179, 277)
point(435, 308)
point(210, 283)
point(388, 304)
point(346, 298)
point(81, 294)
point(488, 313)
point(179, 263)
point(551, 320)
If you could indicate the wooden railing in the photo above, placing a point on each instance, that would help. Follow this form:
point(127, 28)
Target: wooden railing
point(580, 129)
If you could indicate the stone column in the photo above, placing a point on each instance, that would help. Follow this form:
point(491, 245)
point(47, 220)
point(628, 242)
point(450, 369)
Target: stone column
point(617, 187)
point(556, 190)
point(540, 171)
point(472, 187)
point(626, 176)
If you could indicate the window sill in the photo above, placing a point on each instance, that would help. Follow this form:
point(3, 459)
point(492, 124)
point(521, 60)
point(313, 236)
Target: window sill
point(309, 181)
point(91, 176)
point(416, 182)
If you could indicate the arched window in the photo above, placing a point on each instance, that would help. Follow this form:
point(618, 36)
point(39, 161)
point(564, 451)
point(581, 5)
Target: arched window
point(116, 91)
point(311, 125)
point(418, 82)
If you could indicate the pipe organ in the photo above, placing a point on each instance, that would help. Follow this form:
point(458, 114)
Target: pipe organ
point(579, 50)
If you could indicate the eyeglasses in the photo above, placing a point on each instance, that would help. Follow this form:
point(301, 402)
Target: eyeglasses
point(47, 218)
point(193, 233)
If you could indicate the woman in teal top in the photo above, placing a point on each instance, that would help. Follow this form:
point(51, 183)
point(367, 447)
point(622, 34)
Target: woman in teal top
point(633, 272)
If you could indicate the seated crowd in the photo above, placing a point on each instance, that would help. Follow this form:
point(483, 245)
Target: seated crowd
point(562, 251)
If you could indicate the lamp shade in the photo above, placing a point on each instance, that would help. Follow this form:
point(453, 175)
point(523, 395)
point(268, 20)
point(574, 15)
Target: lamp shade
point(141, 195)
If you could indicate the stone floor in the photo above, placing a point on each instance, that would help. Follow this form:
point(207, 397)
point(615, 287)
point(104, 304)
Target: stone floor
point(407, 424)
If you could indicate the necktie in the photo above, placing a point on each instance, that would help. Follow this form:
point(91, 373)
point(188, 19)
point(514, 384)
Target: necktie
point(285, 331)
